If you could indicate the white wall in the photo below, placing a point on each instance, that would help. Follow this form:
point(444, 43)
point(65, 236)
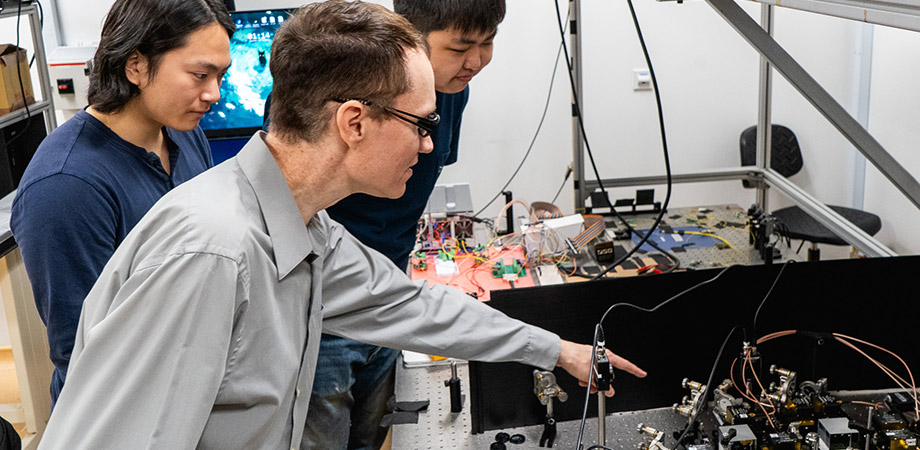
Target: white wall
point(894, 115)
point(708, 80)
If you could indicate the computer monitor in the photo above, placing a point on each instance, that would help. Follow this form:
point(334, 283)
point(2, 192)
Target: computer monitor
point(248, 82)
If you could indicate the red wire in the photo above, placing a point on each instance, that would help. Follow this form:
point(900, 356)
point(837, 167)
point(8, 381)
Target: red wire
point(748, 363)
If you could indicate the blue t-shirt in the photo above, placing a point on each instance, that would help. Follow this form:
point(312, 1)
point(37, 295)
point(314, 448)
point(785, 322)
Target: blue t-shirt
point(81, 194)
point(389, 225)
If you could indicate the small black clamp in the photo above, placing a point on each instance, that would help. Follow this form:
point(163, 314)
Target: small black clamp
point(456, 397)
point(603, 371)
point(549, 432)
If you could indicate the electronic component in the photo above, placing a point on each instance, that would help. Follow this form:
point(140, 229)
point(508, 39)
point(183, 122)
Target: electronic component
point(435, 233)
point(604, 252)
point(508, 272)
point(887, 421)
point(897, 440)
point(825, 405)
point(836, 434)
point(782, 441)
point(420, 261)
point(737, 437)
point(451, 199)
point(554, 236)
point(903, 403)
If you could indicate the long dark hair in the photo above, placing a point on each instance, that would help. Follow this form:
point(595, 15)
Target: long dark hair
point(151, 27)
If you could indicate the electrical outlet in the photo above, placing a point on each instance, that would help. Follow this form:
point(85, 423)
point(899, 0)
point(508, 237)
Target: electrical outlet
point(642, 80)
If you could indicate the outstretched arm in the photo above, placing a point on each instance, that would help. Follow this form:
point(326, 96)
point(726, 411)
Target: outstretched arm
point(576, 360)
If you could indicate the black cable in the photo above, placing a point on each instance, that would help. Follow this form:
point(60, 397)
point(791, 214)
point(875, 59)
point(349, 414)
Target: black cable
point(41, 25)
point(581, 126)
point(675, 297)
point(765, 297)
point(22, 88)
point(702, 401)
point(536, 133)
point(599, 330)
point(568, 173)
point(664, 144)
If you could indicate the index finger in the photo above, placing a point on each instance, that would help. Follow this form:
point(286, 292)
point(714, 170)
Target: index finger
point(624, 364)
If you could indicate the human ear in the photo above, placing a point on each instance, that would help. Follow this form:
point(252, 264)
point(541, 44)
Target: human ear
point(136, 69)
point(350, 120)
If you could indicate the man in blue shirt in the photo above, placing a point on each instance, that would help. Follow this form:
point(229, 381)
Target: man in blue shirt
point(354, 380)
point(156, 72)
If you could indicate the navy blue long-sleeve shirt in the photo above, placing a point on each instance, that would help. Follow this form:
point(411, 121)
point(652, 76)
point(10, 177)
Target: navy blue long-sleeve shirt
point(81, 194)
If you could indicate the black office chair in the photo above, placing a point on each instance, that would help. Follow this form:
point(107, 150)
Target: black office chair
point(786, 158)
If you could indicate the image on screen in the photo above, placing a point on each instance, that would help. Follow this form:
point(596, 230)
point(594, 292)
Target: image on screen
point(248, 82)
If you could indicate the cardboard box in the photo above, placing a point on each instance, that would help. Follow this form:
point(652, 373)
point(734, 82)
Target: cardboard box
point(11, 94)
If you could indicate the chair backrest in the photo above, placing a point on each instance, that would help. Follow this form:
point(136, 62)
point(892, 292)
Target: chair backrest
point(785, 153)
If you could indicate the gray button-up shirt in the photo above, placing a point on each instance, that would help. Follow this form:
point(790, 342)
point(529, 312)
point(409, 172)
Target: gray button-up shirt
point(203, 329)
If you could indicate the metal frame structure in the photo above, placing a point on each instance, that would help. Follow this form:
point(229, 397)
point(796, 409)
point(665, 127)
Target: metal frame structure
point(903, 14)
point(27, 332)
point(46, 106)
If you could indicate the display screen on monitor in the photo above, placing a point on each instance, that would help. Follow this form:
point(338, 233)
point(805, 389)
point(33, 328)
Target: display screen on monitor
point(248, 81)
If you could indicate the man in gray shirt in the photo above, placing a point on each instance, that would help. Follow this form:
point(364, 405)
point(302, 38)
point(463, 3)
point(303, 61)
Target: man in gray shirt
point(203, 329)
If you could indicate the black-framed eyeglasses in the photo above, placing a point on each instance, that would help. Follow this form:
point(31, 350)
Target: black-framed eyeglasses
point(426, 125)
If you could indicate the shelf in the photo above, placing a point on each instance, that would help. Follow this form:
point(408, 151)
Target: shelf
point(15, 116)
point(10, 10)
point(904, 14)
point(7, 243)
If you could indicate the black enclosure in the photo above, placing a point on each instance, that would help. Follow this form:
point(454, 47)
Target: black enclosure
point(871, 299)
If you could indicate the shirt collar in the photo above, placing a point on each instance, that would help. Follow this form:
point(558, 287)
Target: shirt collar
point(292, 242)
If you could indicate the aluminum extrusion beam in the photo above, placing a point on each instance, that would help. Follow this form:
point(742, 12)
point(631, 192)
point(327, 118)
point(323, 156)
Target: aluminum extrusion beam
point(578, 141)
point(735, 173)
point(840, 226)
point(847, 231)
point(38, 41)
point(12, 9)
point(904, 14)
point(765, 109)
point(819, 98)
